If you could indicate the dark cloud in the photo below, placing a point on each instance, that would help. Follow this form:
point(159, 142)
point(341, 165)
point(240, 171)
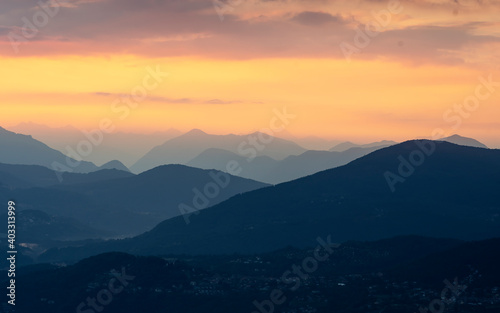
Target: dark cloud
point(316, 18)
point(427, 44)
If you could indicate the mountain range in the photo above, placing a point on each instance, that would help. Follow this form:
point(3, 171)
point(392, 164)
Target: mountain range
point(268, 170)
point(25, 176)
point(365, 191)
point(126, 147)
point(120, 202)
point(450, 192)
point(261, 157)
point(182, 149)
point(463, 141)
point(25, 150)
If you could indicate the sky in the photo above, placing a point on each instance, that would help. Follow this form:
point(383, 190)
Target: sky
point(361, 70)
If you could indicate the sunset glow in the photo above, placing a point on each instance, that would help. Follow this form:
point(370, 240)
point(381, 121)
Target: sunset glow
point(227, 76)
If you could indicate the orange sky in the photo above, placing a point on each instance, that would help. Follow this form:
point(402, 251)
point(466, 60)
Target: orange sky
point(227, 76)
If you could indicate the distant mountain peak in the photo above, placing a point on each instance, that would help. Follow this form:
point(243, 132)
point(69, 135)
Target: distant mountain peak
point(463, 141)
point(196, 132)
point(348, 145)
point(115, 164)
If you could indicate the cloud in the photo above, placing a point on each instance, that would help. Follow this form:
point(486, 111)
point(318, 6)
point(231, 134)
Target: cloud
point(254, 29)
point(218, 101)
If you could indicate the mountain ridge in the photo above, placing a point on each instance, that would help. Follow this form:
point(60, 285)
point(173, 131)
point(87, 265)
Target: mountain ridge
point(24, 149)
point(184, 148)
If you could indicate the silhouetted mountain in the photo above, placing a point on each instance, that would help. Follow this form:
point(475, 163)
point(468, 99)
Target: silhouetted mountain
point(271, 171)
point(132, 204)
point(25, 176)
point(348, 145)
point(22, 149)
point(126, 147)
point(183, 149)
point(116, 165)
point(451, 194)
point(463, 141)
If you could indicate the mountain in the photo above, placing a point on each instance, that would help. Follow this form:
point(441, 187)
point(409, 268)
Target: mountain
point(23, 149)
point(449, 192)
point(182, 149)
point(132, 204)
point(126, 147)
point(271, 171)
point(348, 145)
point(114, 165)
point(464, 141)
point(25, 176)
